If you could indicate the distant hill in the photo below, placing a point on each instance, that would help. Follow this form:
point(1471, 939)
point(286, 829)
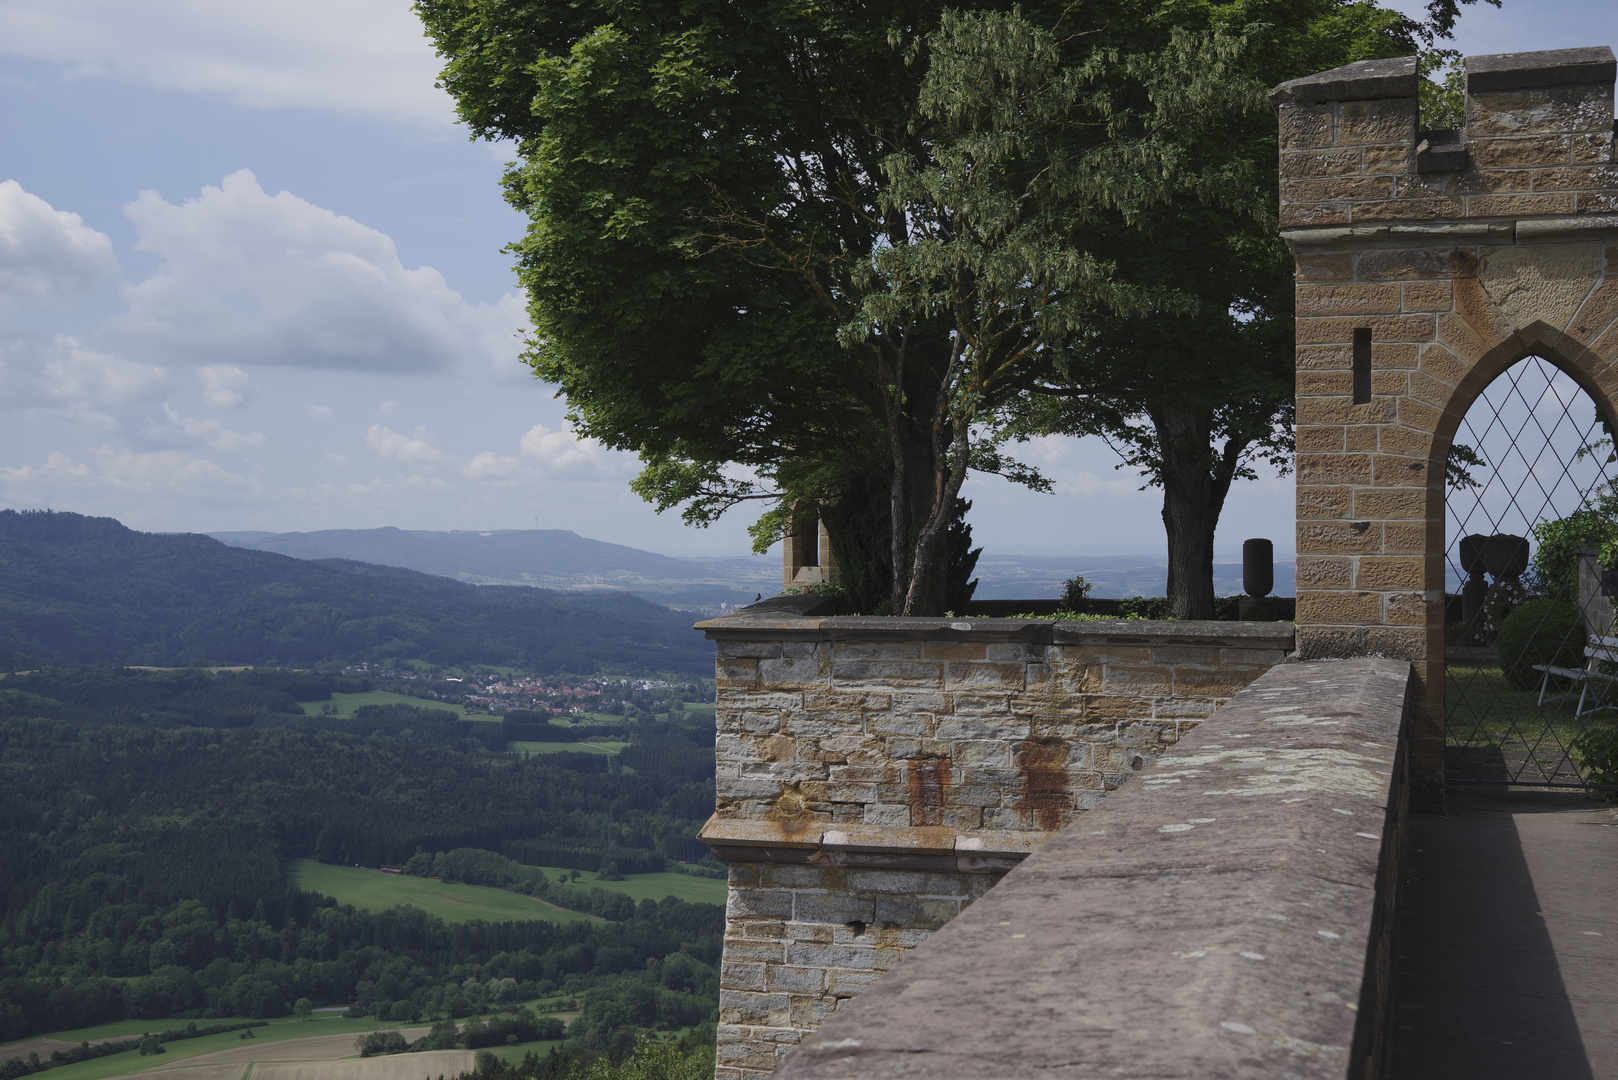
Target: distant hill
point(549, 558)
point(76, 589)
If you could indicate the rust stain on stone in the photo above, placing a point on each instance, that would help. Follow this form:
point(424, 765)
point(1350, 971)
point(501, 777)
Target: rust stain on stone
point(1043, 764)
point(790, 812)
point(927, 781)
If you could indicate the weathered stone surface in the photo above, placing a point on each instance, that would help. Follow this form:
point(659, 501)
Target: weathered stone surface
point(1211, 919)
point(858, 819)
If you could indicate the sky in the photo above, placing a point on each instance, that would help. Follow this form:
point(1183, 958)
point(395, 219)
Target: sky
point(251, 277)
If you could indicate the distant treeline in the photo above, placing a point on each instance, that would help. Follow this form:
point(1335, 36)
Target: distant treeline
point(141, 860)
point(82, 590)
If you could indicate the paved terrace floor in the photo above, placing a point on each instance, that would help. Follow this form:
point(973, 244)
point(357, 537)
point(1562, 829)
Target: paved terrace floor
point(1508, 940)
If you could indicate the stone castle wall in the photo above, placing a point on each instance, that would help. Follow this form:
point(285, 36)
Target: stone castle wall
point(875, 776)
point(1428, 263)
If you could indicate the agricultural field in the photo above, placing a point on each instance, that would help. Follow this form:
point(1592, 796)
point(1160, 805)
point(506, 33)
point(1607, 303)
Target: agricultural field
point(321, 1048)
point(608, 748)
point(347, 703)
point(375, 891)
point(638, 887)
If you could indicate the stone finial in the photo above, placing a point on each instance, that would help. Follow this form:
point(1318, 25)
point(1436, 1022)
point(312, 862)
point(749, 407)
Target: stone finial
point(1363, 81)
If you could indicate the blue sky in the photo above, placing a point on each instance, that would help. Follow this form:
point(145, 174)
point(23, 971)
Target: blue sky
point(251, 278)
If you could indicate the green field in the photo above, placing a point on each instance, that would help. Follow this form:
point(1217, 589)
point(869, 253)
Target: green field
point(375, 891)
point(175, 1053)
point(567, 747)
point(697, 890)
point(347, 703)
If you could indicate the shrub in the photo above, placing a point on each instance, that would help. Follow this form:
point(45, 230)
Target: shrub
point(1597, 754)
point(1539, 632)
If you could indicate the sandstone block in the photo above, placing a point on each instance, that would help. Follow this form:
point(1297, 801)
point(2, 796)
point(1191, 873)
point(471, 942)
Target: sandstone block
point(876, 650)
point(1340, 607)
point(1401, 643)
point(894, 673)
point(737, 975)
point(1300, 164)
point(1305, 126)
point(915, 913)
point(1320, 438)
point(747, 650)
point(1391, 120)
point(1362, 437)
point(886, 815)
point(1573, 108)
point(1307, 215)
point(758, 904)
point(796, 980)
point(1335, 267)
point(1322, 573)
point(1487, 153)
point(1393, 439)
point(1400, 264)
point(1324, 502)
point(1325, 382)
point(1416, 328)
point(1391, 572)
point(1316, 470)
point(967, 675)
point(1384, 503)
point(955, 650)
point(1329, 357)
point(1407, 210)
point(1411, 609)
point(1596, 202)
point(1519, 205)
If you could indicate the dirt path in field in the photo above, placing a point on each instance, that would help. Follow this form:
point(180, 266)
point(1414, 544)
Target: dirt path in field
point(313, 1048)
point(42, 1047)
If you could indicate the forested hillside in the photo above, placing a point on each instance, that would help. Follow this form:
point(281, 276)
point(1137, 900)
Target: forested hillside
point(145, 820)
point(83, 590)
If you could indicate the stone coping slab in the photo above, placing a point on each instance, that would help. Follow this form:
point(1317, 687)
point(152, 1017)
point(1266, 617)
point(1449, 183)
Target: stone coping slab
point(1225, 914)
point(797, 618)
point(1534, 70)
point(912, 847)
point(1362, 81)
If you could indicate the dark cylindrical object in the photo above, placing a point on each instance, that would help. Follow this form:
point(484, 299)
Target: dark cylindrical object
point(1258, 568)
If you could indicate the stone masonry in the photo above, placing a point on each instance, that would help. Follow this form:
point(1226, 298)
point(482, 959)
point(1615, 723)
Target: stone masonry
point(876, 775)
point(1428, 262)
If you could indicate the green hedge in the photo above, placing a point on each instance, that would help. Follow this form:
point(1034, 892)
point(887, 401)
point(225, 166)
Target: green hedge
point(1539, 632)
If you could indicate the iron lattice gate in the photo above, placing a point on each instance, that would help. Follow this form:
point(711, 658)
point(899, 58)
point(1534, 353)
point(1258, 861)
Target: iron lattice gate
point(1531, 649)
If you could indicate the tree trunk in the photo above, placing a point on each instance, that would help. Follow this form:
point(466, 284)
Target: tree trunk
point(1193, 496)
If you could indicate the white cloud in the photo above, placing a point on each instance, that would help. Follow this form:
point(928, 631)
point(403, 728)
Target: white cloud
point(272, 279)
point(339, 459)
point(224, 386)
point(47, 256)
point(490, 466)
point(388, 407)
point(64, 373)
point(358, 57)
point(409, 449)
point(320, 412)
point(213, 432)
point(173, 473)
point(562, 451)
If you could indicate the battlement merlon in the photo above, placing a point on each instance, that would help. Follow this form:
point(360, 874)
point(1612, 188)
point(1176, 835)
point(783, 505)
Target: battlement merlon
point(1535, 156)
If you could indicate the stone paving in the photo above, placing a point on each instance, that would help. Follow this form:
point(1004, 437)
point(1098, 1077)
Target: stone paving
point(1508, 940)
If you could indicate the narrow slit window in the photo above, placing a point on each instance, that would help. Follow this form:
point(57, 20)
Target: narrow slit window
point(1362, 366)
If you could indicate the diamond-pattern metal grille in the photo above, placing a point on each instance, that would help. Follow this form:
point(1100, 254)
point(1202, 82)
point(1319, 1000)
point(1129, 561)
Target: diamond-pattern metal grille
point(1531, 651)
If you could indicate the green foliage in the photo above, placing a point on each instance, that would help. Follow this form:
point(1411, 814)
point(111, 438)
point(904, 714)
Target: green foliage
point(380, 1042)
point(87, 590)
point(1559, 540)
point(1458, 466)
point(1075, 591)
point(1596, 751)
point(1443, 100)
point(1540, 631)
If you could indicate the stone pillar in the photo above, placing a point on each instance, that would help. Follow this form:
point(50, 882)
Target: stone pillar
point(1427, 264)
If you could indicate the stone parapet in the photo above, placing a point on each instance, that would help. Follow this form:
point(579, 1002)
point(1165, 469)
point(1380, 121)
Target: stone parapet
point(876, 775)
point(1228, 913)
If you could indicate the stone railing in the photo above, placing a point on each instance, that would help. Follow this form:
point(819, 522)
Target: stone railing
point(1228, 913)
point(877, 775)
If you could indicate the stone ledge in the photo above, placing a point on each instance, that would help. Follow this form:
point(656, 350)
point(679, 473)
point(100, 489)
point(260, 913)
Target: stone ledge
point(727, 836)
point(1225, 914)
point(797, 620)
point(1505, 231)
point(1537, 70)
point(1364, 81)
